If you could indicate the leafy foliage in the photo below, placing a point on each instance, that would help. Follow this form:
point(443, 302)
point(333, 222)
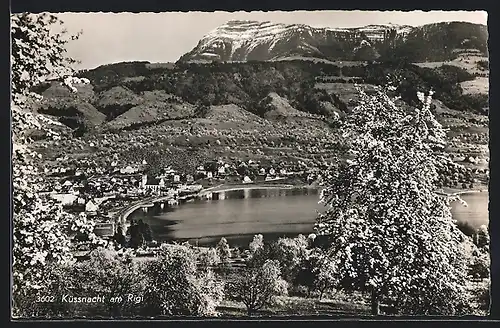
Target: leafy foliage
point(140, 233)
point(288, 252)
point(175, 287)
point(36, 51)
point(108, 275)
point(41, 229)
point(315, 273)
point(224, 252)
point(257, 287)
point(393, 236)
point(483, 65)
point(208, 258)
point(256, 244)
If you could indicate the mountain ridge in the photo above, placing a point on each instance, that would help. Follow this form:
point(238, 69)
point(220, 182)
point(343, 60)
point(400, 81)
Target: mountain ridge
point(244, 40)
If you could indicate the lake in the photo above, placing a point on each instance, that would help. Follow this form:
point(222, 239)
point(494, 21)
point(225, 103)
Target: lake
point(239, 215)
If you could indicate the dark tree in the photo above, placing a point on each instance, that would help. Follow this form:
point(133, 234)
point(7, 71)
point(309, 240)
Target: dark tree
point(119, 238)
point(136, 238)
point(145, 230)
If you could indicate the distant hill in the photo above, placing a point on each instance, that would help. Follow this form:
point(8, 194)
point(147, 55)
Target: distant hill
point(138, 93)
point(252, 40)
point(75, 110)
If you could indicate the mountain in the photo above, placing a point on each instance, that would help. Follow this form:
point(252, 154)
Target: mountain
point(252, 40)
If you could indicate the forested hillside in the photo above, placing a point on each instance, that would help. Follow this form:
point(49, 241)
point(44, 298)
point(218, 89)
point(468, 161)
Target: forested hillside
point(118, 88)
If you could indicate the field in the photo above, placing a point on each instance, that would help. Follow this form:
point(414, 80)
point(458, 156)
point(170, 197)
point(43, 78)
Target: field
point(479, 85)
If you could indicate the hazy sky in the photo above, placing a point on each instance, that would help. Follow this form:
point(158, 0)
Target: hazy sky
point(164, 37)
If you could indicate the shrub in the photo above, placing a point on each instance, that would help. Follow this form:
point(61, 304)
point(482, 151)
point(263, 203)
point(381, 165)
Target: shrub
point(482, 237)
point(175, 287)
point(207, 258)
point(290, 252)
point(483, 65)
point(480, 267)
point(257, 287)
point(108, 275)
point(223, 252)
point(256, 244)
point(46, 302)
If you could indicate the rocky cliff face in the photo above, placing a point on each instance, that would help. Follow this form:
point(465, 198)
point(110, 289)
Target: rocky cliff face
point(252, 40)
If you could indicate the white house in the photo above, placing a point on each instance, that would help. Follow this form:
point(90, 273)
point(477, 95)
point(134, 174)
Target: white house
point(177, 178)
point(91, 207)
point(201, 170)
point(246, 179)
point(128, 170)
point(104, 229)
point(65, 199)
point(221, 170)
point(270, 178)
point(209, 175)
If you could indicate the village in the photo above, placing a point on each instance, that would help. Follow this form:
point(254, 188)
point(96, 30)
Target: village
point(105, 193)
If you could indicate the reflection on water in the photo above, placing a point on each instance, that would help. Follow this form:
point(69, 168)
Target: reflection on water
point(239, 215)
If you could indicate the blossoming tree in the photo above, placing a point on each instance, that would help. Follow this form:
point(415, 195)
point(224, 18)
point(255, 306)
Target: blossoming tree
point(394, 236)
point(41, 229)
point(175, 286)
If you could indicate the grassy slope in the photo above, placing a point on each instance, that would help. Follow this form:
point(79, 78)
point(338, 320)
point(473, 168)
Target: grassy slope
point(469, 61)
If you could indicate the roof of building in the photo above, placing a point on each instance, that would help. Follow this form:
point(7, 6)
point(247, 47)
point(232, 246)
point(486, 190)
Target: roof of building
point(153, 182)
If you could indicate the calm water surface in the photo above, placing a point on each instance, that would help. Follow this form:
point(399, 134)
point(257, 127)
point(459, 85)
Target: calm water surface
point(271, 212)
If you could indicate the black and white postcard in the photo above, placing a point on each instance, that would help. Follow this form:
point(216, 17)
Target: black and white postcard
point(329, 164)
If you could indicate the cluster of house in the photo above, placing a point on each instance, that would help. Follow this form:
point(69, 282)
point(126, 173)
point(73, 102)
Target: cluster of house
point(232, 171)
point(99, 192)
point(72, 185)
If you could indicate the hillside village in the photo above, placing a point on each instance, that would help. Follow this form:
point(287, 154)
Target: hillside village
point(103, 190)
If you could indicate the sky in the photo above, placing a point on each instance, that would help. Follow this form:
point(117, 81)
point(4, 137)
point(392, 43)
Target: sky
point(165, 37)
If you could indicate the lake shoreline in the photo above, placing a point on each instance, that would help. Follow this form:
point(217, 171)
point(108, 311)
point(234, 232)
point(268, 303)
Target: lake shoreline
point(263, 185)
point(278, 210)
point(128, 210)
point(273, 206)
point(458, 192)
